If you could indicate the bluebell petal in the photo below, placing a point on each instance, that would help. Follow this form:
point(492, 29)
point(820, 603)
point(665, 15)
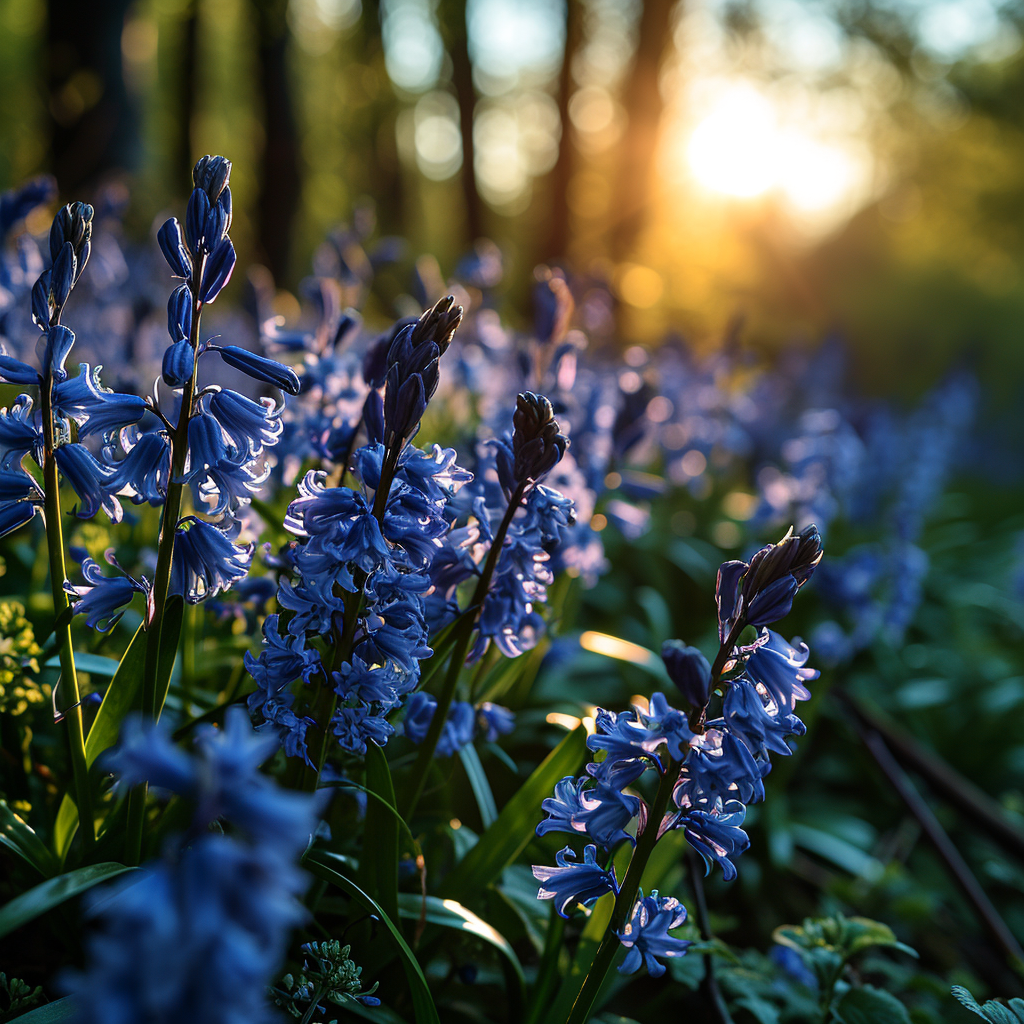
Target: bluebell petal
point(14, 371)
point(91, 480)
point(259, 367)
point(14, 514)
point(93, 407)
point(178, 364)
point(172, 245)
point(206, 562)
point(18, 432)
point(58, 346)
point(145, 470)
point(572, 881)
point(251, 426)
point(62, 276)
point(179, 314)
point(195, 221)
point(217, 270)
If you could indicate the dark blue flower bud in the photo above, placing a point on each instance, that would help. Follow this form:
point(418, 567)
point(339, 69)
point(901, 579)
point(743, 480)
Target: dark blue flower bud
point(373, 417)
point(217, 271)
point(772, 603)
point(172, 245)
point(41, 301)
point(179, 313)
point(195, 221)
point(62, 278)
point(217, 223)
point(178, 364)
point(73, 225)
point(689, 670)
point(259, 367)
point(211, 174)
point(537, 444)
point(794, 556)
point(14, 371)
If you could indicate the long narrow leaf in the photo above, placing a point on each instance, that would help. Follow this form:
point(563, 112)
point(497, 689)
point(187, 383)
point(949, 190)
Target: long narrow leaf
point(478, 781)
point(449, 914)
point(51, 1013)
point(51, 893)
point(512, 831)
point(122, 695)
point(378, 866)
point(18, 837)
point(94, 664)
point(324, 865)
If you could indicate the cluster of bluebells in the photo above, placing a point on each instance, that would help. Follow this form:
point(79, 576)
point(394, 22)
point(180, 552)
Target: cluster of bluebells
point(715, 766)
point(111, 447)
point(199, 933)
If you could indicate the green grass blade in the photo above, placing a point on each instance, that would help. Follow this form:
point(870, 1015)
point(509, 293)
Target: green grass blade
point(449, 914)
point(21, 839)
point(51, 1013)
point(514, 828)
point(378, 868)
point(123, 694)
point(481, 787)
point(51, 893)
point(324, 865)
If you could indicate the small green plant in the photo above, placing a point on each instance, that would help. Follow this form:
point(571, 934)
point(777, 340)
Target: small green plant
point(16, 997)
point(994, 1011)
point(327, 976)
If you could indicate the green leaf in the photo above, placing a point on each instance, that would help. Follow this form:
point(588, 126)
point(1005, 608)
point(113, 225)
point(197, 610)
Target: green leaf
point(869, 1005)
point(18, 837)
point(378, 869)
point(449, 914)
point(51, 1013)
point(993, 1010)
point(94, 664)
point(123, 694)
point(512, 831)
point(478, 781)
point(324, 865)
point(53, 892)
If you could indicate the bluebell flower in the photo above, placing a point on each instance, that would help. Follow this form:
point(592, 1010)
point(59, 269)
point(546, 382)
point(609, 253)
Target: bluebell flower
point(17, 485)
point(146, 468)
point(259, 367)
point(458, 729)
point(96, 409)
point(689, 670)
point(573, 881)
point(56, 347)
point(779, 667)
point(172, 245)
point(353, 726)
point(103, 599)
point(720, 766)
point(757, 720)
point(18, 433)
point(646, 937)
point(250, 426)
point(205, 561)
point(419, 713)
point(93, 482)
point(715, 833)
point(14, 371)
point(494, 721)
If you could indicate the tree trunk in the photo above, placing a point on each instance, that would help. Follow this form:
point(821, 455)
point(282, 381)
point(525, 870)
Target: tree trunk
point(93, 123)
point(556, 243)
point(280, 183)
point(452, 15)
point(643, 102)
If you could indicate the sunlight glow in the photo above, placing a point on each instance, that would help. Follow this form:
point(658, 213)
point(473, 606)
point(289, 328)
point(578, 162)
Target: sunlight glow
point(742, 149)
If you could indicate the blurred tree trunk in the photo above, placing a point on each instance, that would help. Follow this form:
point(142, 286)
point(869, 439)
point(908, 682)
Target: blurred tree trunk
point(556, 244)
point(93, 124)
point(185, 96)
point(643, 102)
point(452, 18)
point(280, 183)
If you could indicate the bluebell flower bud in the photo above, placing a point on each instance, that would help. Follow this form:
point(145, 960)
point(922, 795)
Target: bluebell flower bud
point(62, 278)
point(178, 364)
point(196, 212)
point(211, 174)
point(792, 556)
point(689, 670)
point(179, 313)
point(172, 245)
point(772, 603)
point(73, 226)
point(217, 271)
point(259, 367)
point(537, 444)
point(438, 325)
point(373, 417)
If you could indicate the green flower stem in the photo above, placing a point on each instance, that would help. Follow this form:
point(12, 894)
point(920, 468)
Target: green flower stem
point(58, 573)
point(325, 702)
point(547, 975)
point(464, 637)
point(625, 899)
point(154, 693)
point(626, 896)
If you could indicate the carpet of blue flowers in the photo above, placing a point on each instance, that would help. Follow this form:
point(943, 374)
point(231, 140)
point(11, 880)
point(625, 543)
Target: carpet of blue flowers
point(438, 670)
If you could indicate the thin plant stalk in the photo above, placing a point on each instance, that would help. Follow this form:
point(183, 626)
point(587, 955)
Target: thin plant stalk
point(461, 648)
point(154, 693)
point(58, 573)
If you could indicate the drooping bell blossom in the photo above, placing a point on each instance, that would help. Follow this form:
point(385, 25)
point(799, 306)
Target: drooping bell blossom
point(574, 881)
point(205, 561)
point(102, 599)
point(646, 937)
